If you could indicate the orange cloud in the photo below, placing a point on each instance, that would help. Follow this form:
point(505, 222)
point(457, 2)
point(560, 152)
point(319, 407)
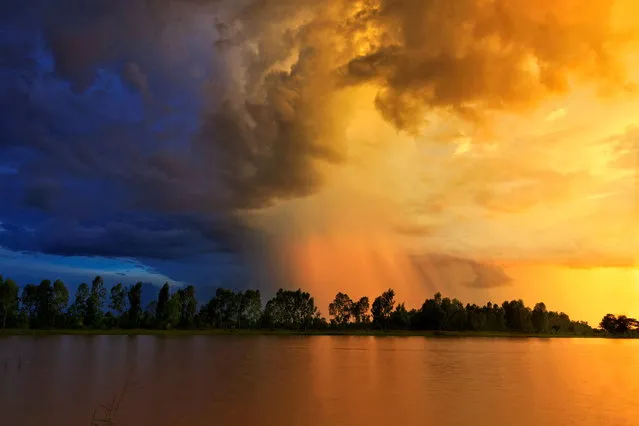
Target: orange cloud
point(480, 130)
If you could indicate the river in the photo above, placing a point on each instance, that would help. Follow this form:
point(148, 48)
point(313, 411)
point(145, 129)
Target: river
point(319, 381)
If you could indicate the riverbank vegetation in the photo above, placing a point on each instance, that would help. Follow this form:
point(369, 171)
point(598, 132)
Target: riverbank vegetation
point(48, 306)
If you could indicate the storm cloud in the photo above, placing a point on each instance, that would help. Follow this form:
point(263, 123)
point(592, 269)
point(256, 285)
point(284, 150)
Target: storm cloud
point(149, 129)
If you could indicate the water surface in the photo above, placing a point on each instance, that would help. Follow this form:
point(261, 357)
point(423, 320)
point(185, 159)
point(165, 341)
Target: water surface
point(319, 380)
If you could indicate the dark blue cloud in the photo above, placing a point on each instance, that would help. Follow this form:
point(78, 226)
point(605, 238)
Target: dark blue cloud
point(101, 102)
point(162, 237)
point(125, 134)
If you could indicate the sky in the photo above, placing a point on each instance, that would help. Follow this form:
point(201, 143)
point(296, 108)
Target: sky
point(487, 149)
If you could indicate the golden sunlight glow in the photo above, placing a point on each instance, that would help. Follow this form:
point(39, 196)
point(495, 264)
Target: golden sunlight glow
point(551, 189)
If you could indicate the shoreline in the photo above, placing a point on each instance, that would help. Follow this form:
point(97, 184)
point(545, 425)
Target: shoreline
point(358, 333)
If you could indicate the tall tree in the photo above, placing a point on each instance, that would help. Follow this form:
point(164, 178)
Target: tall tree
point(539, 318)
point(341, 309)
point(624, 324)
point(78, 309)
point(224, 309)
point(135, 304)
point(559, 322)
point(60, 300)
point(383, 307)
point(188, 305)
point(305, 309)
point(117, 300)
point(609, 323)
point(360, 311)
point(162, 311)
point(147, 319)
point(250, 309)
point(475, 318)
point(499, 316)
point(95, 303)
point(8, 301)
point(290, 310)
point(518, 315)
point(173, 311)
point(432, 315)
point(29, 305)
point(400, 318)
point(454, 314)
point(45, 304)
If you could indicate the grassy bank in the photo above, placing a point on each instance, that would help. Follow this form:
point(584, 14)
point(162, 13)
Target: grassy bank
point(221, 332)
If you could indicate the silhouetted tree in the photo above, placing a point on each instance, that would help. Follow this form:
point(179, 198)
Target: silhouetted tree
point(223, 309)
point(162, 312)
point(188, 306)
point(580, 328)
point(29, 305)
point(95, 302)
point(202, 318)
point(455, 314)
point(400, 318)
point(539, 318)
point(383, 307)
point(8, 301)
point(230, 309)
point(498, 317)
point(290, 310)
point(135, 304)
point(250, 309)
point(559, 322)
point(518, 316)
point(476, 318)
point(431, 315)
point(609, 323)
point(78, 309)
point(173, 311)
point(60, 300)
point(44, 308)
point(360, 311)
point(117, 301)
point(318, 322)
point(624, 325)
point(147, 318)
point(341, 309)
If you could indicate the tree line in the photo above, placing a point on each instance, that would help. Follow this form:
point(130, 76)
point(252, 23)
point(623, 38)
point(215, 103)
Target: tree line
point(446, 314)
point(620, 325)
point(48, 305)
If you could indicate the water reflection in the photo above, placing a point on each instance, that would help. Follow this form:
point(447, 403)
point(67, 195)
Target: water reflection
point(319, 381)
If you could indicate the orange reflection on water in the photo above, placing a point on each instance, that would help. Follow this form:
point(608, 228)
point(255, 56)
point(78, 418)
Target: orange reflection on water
point(322, 380)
